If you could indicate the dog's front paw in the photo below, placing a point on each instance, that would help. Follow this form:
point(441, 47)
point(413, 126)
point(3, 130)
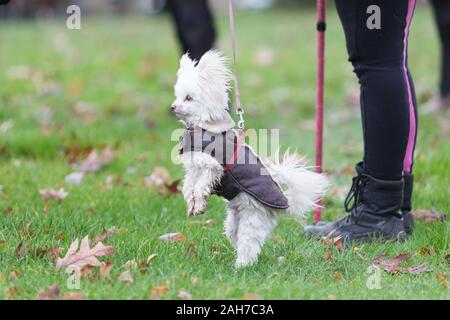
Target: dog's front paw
point(244, 261)
point(197, 206)
point(200, 205)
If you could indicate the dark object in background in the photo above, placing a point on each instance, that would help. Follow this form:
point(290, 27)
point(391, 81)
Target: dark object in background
point(31, 9)
point(4, 1)
point(194, 25)
point(442, 14)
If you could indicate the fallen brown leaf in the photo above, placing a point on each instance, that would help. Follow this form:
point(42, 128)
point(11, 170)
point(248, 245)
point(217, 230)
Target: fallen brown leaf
point(21, 250)
point(184, 295)
point(95, 161)
point(175, 236)
point(126, 277)
point(11, 292)
point(429, 216)
point(391, 266)
point(73, 295)
point(329, 255)
point(8, 210)
point(51, 293)
point(158, 178)
point(418, 269)
point(442, 280)
point(447, 258)
point(52, 194)
point(191, 249)
point(14, 274)
point(337, 276)
point(158, 292)
point(105, 269)
point(85, 256)
point(251, 296)
point(105, 234)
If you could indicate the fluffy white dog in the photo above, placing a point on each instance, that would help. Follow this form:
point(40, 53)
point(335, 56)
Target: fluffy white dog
point(254, 200)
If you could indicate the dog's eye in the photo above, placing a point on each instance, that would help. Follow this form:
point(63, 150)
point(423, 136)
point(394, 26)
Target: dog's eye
point(188, 98)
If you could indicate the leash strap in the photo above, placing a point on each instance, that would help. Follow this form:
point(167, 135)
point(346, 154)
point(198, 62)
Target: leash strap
point(237, 93)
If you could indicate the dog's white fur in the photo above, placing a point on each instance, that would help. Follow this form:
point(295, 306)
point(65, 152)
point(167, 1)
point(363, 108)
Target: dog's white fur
point(201, 101)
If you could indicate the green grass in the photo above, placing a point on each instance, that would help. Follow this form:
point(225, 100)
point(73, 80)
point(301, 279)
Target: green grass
point(126, 67)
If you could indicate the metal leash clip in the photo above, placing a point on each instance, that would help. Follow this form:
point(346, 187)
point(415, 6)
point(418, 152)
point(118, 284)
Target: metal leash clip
point(241, 123)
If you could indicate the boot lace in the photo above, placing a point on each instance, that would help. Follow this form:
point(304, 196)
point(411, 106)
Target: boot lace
point(354, 195)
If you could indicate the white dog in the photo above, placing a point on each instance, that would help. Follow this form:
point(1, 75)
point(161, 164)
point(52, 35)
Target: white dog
point(255, 200)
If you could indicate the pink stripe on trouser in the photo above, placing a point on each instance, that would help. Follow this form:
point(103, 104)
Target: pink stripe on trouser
point(408, 160)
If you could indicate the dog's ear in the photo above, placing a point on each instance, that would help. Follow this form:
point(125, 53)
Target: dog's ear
point(186, 64)
point(213, 67)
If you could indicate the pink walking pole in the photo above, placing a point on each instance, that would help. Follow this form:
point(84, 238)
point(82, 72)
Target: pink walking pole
point(321, 27)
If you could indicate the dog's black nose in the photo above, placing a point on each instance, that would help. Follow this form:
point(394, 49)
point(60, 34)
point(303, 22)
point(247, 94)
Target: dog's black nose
point(173, 108)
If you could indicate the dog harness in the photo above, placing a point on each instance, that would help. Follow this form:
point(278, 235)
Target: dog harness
point(243, 170)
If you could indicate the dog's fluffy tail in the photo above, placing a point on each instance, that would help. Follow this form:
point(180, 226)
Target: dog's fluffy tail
point(300, 184)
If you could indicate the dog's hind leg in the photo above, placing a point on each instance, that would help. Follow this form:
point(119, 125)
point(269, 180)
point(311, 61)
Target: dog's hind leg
point(254, 227)
point(231, 225)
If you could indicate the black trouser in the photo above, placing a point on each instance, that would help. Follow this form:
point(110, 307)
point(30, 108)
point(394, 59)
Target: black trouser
point(194, 24)
point(442, 14)
point(378, 51)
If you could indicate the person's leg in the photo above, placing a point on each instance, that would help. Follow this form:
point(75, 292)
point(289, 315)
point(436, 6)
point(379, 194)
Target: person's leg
point(377, 37)
point(194, 25)
point(441, 10)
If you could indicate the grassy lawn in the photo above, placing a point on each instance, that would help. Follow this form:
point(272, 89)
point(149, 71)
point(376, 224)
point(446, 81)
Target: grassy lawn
point(125, 70)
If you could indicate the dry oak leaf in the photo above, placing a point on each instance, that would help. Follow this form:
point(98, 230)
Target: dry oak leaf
point(429, 216)
point(251, 296)
point(105, 269)
point(95, 161)
point(442, 280)
point(52, 194)
point(51, 293)
point(73, 295)
point(391, 266)
point(126, 277)
point(158, 178)
point(184, 295)
point(174, 236)
point(158, 292)
point(85, 256)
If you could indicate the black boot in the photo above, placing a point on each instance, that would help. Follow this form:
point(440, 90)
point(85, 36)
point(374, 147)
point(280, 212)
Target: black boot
point(408, 218)
point(375, 211)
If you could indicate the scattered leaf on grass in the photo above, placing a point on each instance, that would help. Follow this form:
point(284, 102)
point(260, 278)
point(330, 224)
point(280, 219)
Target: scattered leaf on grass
point(442, 280)
point(105, 269)
point(52, 194)
point(191, 249)
point(158, 292)
point(184, 295)
point(51, 293)
point(174, 236)
point(52, 253)
point(75, 178)
point(158, 178)
point(447, 258)
point(251, 296)
point(427, 251)
point(126, 277)
point(85, 256)
point(11, 292)
point(130, 265)
point(429, 216)
point(333, 242)
point(21, 250)
point(95, 160)
point(14, 274)
point(8, 211)
point(105, 234)
point(151, 257)
point(329, 255)
point(73, 295)
point(418, 269)
point(337, 276)
point(391, 266)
